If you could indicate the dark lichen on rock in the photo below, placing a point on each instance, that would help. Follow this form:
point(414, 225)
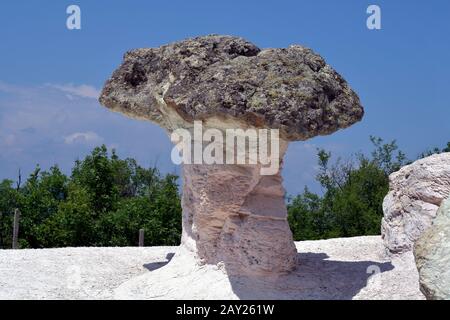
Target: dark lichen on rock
point(291, 89)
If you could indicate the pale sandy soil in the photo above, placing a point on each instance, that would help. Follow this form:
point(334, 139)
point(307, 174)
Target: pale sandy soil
point(351, 268)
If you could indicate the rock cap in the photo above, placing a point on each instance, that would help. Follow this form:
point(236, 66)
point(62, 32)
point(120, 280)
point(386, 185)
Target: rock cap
point(229, 78)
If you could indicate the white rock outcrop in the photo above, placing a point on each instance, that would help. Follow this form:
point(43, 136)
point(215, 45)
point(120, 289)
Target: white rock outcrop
point(432, 254)
point(416, 192)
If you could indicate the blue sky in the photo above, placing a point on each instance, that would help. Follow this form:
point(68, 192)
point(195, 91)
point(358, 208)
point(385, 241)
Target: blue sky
point(49, 75)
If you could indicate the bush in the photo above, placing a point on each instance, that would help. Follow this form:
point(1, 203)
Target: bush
point(353, 195)
point(104, 202)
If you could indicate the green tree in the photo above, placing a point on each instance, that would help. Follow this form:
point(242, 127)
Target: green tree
point(39, 200)
point(96, 173)
point(9, 198)
point(387, 156)
point(354, 190)
point(74, 222)
point(357, 206)
point(104, 202)
point(306, 217)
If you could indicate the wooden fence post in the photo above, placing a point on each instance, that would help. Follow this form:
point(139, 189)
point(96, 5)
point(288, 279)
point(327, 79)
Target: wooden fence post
point(15, 242)
point(141, 237)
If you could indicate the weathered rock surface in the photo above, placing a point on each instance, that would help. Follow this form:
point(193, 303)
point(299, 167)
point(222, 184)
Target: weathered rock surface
point(416, 192)
point(290, 89)
point(235, 216)
point(432, 254)
point(232, 214)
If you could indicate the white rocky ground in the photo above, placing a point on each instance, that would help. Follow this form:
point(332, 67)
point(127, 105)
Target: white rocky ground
point(351, 268)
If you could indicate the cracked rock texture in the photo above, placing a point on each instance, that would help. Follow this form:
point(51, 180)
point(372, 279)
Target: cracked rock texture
point(416, 192)
point(432, 254)
point(291, 89)
point(235, 216)
point(232, 214)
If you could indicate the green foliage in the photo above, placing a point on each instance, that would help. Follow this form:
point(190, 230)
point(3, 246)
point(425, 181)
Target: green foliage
point(39, 199)
point(159, 214)
point(104, 202)
point(96, 173)
point(383, 155)
point(353, 194)
point(9, 198)
point(306, 217)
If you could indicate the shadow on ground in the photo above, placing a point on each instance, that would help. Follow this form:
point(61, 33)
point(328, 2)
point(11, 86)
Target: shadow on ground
point(159, 264)
point(315, 277)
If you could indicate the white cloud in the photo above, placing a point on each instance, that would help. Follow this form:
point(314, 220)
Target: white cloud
point(42, 125)
point(90, 138)
point(84, 90)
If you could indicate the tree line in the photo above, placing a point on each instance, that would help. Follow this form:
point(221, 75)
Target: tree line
point(106, 200)
point(353, 193)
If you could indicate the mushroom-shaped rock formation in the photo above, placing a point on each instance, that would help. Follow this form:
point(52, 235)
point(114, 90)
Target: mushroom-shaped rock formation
point(233, 215)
